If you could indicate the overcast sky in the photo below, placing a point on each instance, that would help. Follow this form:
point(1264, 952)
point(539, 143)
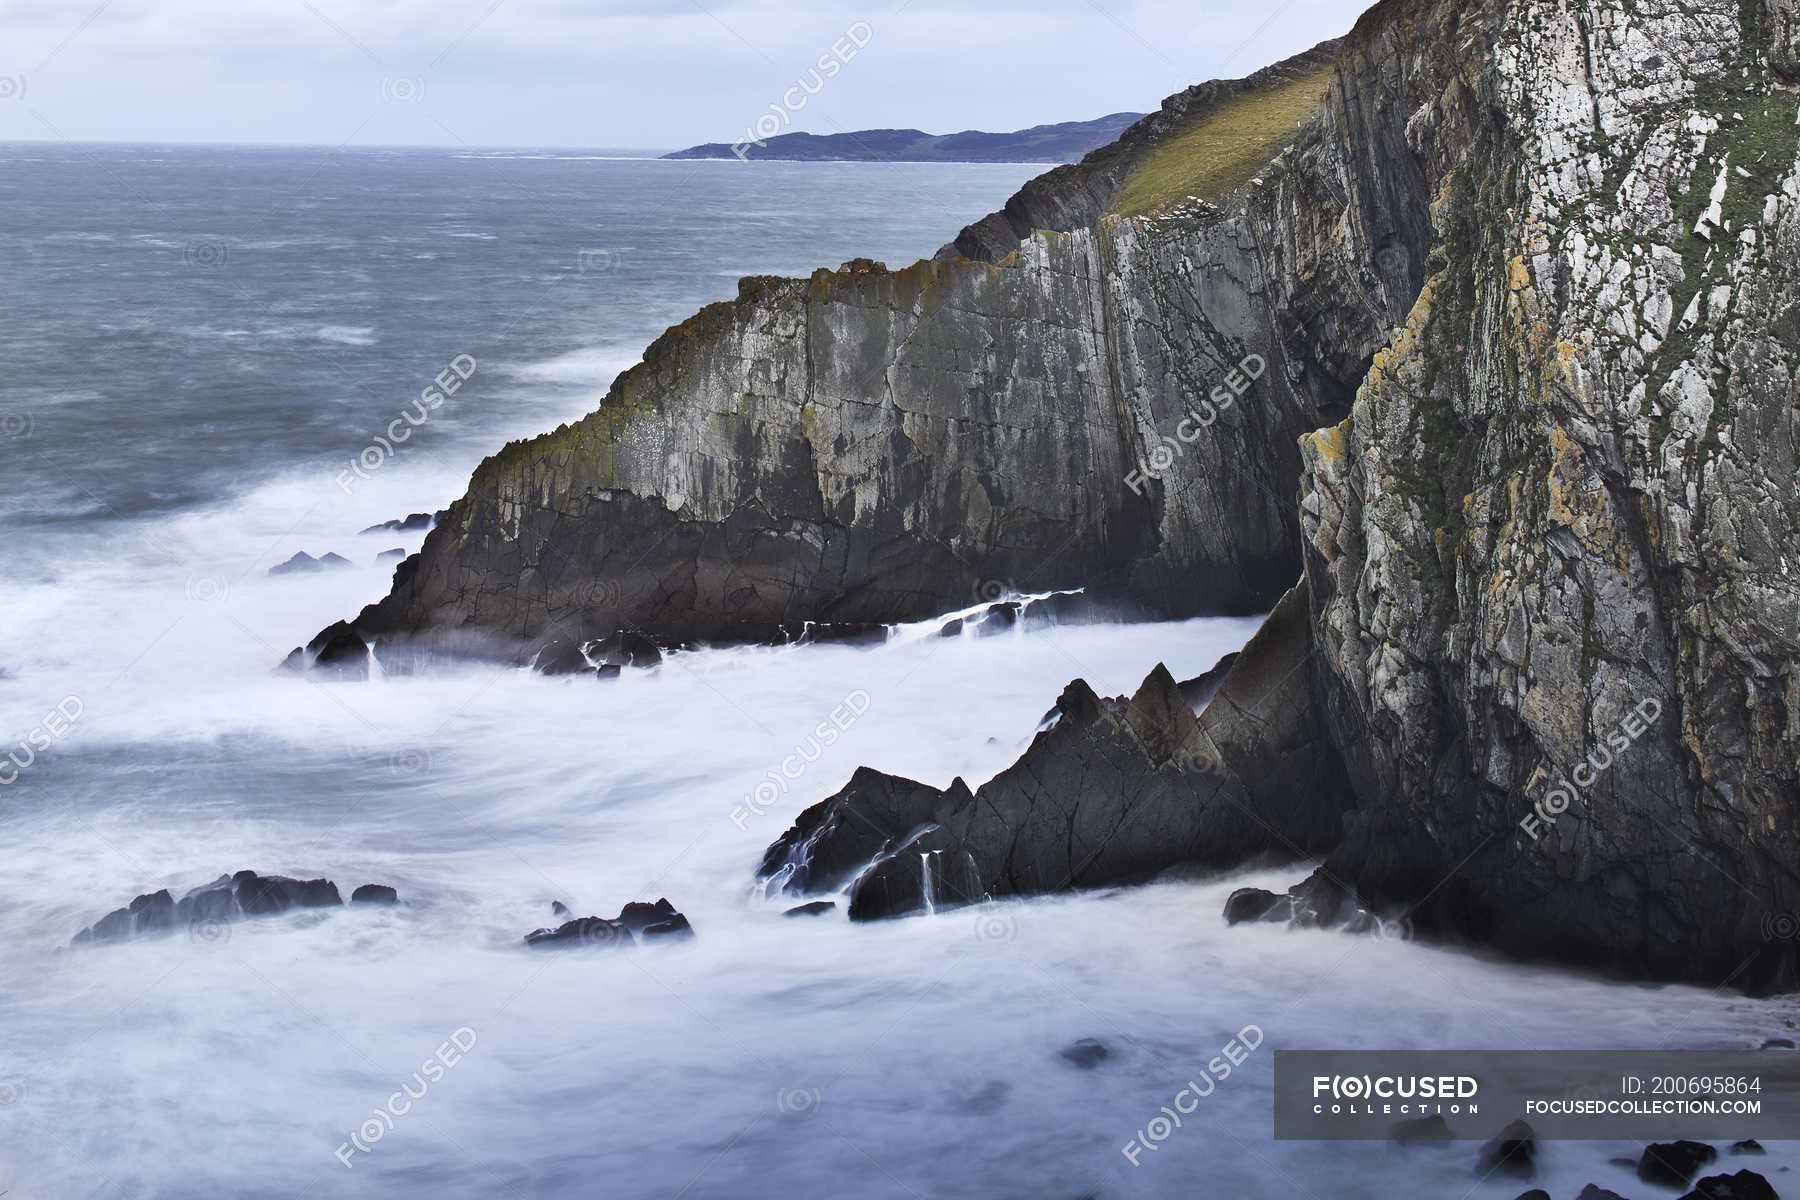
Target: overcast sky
point(610, 73)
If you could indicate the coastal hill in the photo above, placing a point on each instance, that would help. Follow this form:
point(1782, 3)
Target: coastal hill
point(1065, 142)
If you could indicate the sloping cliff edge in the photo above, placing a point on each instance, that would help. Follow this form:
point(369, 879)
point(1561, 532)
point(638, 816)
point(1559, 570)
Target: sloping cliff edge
point(1552, 611)
point(1113, 404)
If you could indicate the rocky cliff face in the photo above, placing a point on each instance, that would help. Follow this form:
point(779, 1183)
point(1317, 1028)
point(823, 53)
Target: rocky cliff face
point(1113, 405)
point(1553, 552)
point(1550, 555)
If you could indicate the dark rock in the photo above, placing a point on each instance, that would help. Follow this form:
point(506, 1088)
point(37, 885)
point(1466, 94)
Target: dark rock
point(340, 652)
point(1745, 1185)
point(1421, 1129)
point(1533, 1194)
point(1086, 1054)
point(394, 555)
point(227, 899)
point(999, 618)
point(813, 908)
point(301, 563)
point(1108, 794)
point(1778, 1044)
point(917, 875)
point(675, 928)
point(636, 920)
point(609, 671)
point(114, 926)
point(1200, 690)
point(1748, 1146)
point(558, 909)
point(562, 657)
point(1594, 1191)
point(1674, 1164)
point(951, 629)
point(154, 913)
point(265, 895)
point(639, 915)
point(1513, 1153)
point(1255, 904)
point(375, 893)
point(625, 649)
point(295, 661)
point(582, 932)
point(410, 524)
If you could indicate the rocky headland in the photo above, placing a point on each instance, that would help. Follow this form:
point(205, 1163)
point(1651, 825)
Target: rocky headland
point(1481, 324)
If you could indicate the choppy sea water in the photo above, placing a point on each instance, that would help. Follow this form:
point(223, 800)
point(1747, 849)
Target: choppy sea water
point(198, 342)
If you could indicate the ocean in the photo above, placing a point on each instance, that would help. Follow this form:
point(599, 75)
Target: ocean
point(201, 348)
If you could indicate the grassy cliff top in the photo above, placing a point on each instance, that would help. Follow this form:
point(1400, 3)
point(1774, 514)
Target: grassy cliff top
point(1224, 147)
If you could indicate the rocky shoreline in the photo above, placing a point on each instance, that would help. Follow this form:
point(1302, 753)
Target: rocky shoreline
point(1511, 312)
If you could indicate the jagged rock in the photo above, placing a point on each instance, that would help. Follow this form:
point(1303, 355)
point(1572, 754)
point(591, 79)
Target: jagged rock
point(409, 524)
point(340, 652)
point(1513, 1153)
point(812, 908)
point(999, 618)
point(1422, 1129)
point(1107, 794)
point(266, 895)
point(301, 563)
point(638, 915)
point(637, 921)
point(562, 657)
point(227, 899)
point(374, 893)
point(1674, 1164)
point(558, 909)
point(1086, 1054)
point(1200, 690)
point(1748, 1146)
point(1744, 1185)
point(304, 563)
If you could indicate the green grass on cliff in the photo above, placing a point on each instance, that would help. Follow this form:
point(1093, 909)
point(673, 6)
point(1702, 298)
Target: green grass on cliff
point(1223, 148)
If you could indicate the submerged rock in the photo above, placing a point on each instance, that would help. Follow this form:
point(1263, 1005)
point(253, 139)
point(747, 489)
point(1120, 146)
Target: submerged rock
point(1513, 1153)
point(1674, 1164)
point(1086, 1054)
point(411, 523)
point(304, 563)
point(227, 899)
point(637, 921)
point(813, 908)
point(340, 652)
point(374, 893)
point(562, 657)
point(1744, 1185)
